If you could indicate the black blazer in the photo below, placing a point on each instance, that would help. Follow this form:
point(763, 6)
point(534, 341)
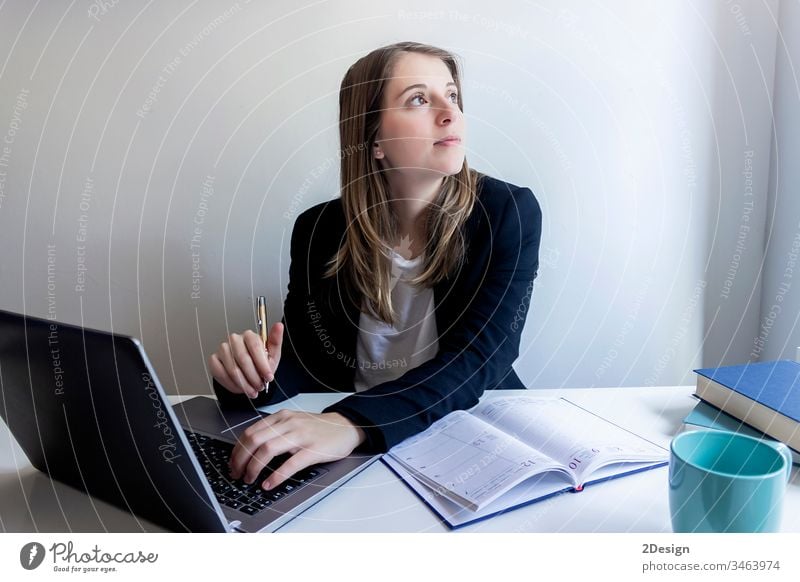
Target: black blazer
point(480, 312)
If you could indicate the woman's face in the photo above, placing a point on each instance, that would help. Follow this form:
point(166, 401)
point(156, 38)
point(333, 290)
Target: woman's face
point(415, 118)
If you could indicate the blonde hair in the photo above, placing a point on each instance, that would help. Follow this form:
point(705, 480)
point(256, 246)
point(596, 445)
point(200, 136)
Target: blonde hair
point(365, 253)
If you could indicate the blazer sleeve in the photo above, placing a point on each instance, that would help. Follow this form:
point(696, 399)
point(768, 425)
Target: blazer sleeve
point(291, 376)
point(472, 356)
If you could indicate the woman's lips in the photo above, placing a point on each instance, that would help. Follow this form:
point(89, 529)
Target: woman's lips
point(449, 142)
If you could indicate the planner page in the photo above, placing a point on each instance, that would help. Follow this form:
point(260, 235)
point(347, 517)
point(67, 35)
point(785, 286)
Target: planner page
point(575, 437)
point(470, 461)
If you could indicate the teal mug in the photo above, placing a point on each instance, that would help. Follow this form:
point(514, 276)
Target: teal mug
point(723, 481)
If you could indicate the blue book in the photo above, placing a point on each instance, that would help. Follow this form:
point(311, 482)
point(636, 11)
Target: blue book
point(764, 395)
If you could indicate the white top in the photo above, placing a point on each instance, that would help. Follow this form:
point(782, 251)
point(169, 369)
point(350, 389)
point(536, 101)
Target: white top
point(386, 352)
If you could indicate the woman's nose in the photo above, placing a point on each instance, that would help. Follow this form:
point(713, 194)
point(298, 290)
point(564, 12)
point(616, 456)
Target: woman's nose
point(446, 113)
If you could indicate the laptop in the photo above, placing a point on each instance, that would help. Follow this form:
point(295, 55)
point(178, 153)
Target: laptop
point(87, 409)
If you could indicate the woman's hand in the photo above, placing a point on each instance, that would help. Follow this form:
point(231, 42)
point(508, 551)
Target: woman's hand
point(310, 439)
point(242, 365)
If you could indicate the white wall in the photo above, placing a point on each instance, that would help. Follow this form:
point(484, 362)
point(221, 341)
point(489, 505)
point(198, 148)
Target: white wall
point(778, 334)
point(629, 120)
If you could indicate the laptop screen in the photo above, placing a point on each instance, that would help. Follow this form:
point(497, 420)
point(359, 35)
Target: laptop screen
point(87, 410)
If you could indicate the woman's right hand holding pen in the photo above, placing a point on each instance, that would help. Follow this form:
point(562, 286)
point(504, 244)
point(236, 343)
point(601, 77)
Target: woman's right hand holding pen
point(243, 365)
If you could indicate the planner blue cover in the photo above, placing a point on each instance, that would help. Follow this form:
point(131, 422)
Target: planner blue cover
point(776, 385)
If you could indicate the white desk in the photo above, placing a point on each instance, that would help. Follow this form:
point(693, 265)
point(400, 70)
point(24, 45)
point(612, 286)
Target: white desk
point(377, 501)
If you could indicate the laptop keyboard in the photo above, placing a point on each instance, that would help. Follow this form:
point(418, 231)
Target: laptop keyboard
point(213, 455)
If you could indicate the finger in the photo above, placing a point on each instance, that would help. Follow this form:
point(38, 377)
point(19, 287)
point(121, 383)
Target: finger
point(274, 342)
point(264, 455)
point(240, 456)
point(225, 356)
point(250, 440)
point(245, 362)
point(218, 371)
point(234, 373)
point(300, 460)
point(259, 356)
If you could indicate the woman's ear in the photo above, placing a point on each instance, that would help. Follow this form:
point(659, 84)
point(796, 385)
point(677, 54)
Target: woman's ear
point(378, 152)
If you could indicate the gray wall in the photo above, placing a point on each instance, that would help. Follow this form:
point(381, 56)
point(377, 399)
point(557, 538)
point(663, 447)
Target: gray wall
point(160, 153)
point(778, 334)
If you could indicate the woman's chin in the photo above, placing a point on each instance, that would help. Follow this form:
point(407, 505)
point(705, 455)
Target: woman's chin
point(454, 168)
point(450, 167)
point(439, 170)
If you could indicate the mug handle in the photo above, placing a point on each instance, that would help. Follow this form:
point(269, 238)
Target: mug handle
point(787, 454)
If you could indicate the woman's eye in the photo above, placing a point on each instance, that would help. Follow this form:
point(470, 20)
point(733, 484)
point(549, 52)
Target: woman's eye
point(421, 96)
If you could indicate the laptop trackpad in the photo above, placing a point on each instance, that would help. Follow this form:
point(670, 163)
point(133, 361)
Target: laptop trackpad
point(201, 414)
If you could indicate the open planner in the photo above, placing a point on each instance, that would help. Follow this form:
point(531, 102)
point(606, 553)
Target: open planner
point(512, 451)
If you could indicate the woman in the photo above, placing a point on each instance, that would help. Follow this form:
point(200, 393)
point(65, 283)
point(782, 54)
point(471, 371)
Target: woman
point(421, 307)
